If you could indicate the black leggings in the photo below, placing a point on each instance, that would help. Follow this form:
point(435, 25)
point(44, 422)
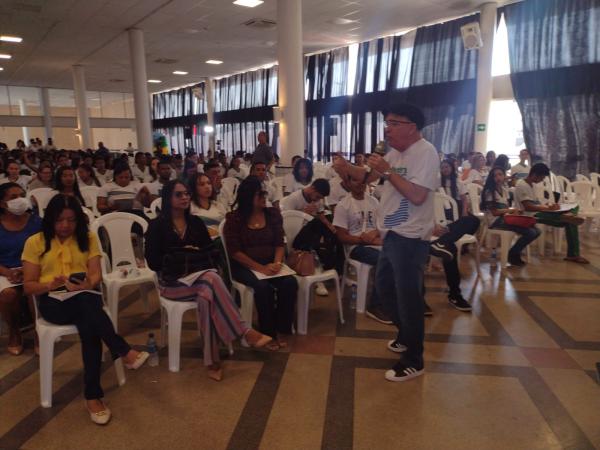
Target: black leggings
point(94, 326)
point(275, 312)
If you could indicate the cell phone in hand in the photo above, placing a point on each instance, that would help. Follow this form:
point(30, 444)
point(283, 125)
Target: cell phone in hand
point(77, 278)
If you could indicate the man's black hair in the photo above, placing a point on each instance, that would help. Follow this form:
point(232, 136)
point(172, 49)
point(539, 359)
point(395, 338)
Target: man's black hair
point(540, 169)
point(411, 112)
point(321, 185)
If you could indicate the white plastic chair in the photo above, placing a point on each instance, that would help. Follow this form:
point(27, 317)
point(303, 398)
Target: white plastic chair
point(48, 334)
point(566, 190)
point(118, 228)
point(90, 197)
point(441, 203)
point(581, 177)
point(152, 211)
point(293, 221)
point(171, 320)
point(585, 192)
point(506, 238)
point(246, 292)
point(42, 198)
point(363, 271)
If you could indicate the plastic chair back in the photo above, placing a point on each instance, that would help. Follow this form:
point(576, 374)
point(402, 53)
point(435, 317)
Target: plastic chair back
point(42, 197)
point(580, 177)
point(474, 191)
point(222, 236)
point(118, 227)
point(154, 209)
point(293, 221)
point(583, 191)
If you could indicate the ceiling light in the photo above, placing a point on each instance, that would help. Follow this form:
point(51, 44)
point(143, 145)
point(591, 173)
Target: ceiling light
point(248, 3)
point(1, 69)
point(179, 72)
point(11, 39)
point(154, 81)
point(213, 61)
point(5, 56)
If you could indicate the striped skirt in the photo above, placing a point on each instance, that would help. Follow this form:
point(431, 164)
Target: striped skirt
point(218, 316)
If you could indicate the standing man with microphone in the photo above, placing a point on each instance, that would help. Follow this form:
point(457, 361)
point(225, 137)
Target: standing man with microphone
point(410, 170)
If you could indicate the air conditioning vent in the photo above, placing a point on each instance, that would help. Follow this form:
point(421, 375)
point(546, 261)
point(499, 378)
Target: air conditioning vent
point(261, 24)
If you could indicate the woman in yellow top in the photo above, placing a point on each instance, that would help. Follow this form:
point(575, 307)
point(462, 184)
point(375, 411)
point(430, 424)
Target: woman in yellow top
point(65, 247)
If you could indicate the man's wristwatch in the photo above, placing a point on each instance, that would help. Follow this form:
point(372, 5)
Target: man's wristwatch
point(386, 175)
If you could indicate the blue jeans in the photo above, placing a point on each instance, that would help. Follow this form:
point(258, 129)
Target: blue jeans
point(528, 235)
point(370, 256)
point(399, 282)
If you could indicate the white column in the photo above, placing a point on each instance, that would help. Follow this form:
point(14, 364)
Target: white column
point(45, 103)
point(23, 112)
point(291, 83)
point(487, 24)
point(140, 89)
point(83, 117)
point(210, 113)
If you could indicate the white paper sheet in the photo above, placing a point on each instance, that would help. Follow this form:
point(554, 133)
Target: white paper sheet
point(566, 207)
point(285, 271)
point(190, 279)
point(65, 295)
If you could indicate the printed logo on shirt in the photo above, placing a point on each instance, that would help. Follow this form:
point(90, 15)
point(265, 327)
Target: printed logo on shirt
point(398, 217)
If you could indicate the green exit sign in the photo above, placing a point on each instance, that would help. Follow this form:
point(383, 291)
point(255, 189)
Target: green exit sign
point(481, 127)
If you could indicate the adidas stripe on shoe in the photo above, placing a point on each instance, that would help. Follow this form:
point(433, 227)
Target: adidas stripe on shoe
point(402, 372)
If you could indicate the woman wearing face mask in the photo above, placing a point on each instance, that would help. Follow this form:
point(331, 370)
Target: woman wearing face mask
point(203, 204)
point(65, 182)
point(16, 225)
point(65, 247)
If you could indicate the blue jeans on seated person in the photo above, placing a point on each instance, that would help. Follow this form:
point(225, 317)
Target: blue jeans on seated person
point(399, 281)
point(370, 256)
point(528, 235)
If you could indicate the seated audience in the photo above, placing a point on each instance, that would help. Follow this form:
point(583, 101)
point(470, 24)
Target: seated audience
point(308, 199)
point(218, 316)
point(203, 203)
point(526, 200)
point(163, 171)
point(51, 257)
point(16, 225)
point(494, 202)
point(103, 174)
point(454, 187)
point(123, 194)
point(254, 238)
point(355, 222)
point(301, 176)
point(339, 189)
point(13, 175)
point(259, 170)
point(44, 178)
point(86, 176)
point(65, 182)
point(236, 170)
point(490, 158)
point(140, 170)
point(476, 173)
point(521, 170)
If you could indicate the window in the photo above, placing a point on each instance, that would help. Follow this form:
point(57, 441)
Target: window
point(62, 103)
point(505, 135)
point(24, 101)
point(500, 58)
point(4, 103)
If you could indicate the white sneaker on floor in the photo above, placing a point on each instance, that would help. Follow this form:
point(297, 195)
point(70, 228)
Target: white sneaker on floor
point(322, 290)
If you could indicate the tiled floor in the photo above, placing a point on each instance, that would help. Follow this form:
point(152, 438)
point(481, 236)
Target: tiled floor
point(517, 373)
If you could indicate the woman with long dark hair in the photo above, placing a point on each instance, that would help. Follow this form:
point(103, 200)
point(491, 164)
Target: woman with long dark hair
point(16, 225)
point(176, 230)
point(65, 255)
point(254, 237)
point(65, 182)
point(302, 176)
point(203, 203)
point(453, 186)
point(494, 202)
point(87, 176)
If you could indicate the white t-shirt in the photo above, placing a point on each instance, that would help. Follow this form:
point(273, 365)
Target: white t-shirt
point(418, 164)
point(155, 188)
point(296, 202)
point(356, 216)
point(461, 189)
point(524, 192)
point(337, 191)
point(142, 177)
point(291, 185)
point(519, 171)
point(500, 200)
point(473, 176)
point(216, 211)
point(106, 178)
point(243, 173)
point(115, 193)
point(22, 181)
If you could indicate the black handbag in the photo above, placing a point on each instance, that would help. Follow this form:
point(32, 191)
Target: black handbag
point(182, 261)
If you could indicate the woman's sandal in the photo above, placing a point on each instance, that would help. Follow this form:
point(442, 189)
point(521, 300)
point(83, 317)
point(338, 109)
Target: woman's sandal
point(215, 373)
point(273, 346)
point(256, 339)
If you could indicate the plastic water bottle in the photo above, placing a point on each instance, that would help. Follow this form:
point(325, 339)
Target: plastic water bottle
point(353, 297)
point(153, 350)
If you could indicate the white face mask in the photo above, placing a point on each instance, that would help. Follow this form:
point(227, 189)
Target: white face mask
point(18, 206)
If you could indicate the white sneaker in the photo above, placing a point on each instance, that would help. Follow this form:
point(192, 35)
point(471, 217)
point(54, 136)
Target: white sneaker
point(100, 418)
point(322, 290)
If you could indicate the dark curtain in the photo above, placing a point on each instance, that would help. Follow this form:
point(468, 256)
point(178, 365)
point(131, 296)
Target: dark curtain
point(440, 59)
point(554, 49)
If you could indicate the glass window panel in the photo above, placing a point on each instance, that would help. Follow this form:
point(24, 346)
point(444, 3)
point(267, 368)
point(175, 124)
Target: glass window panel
point(62, 102)
point(115, 138)
point(4, 103)
point(25, 101)
point(113, 104)
point(93, 103)
point(129, 106)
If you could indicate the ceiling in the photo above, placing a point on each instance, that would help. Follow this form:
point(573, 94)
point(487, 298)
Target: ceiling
point(60, 33)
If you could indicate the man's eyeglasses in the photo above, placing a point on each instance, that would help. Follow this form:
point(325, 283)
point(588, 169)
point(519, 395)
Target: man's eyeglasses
point(181, 194)
point(396, 123)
